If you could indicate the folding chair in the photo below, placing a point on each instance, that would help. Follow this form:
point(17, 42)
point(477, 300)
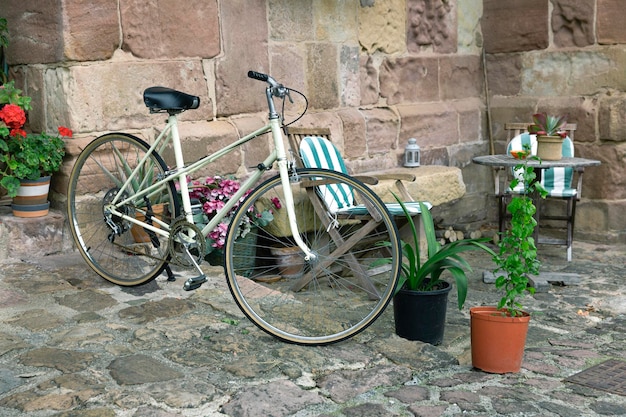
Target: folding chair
point(319, 152)
point(557, 181)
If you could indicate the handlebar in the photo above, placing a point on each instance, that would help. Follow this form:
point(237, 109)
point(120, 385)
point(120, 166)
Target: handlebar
point(264, 77)
point(275, 89)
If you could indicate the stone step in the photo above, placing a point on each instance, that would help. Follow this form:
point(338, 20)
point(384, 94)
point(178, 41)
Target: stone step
point(27, 238)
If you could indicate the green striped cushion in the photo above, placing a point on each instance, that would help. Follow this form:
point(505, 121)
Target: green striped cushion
point(318, 152)
point(557, 181)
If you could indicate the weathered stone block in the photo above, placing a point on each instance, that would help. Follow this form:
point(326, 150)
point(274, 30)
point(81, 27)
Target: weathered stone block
point(235, 92)
point(607, 181)
point(291, 21)
point(35, 31)
point(204, 138)
point(255, 151)
point(409, 79)
point(350, 93)
point(369, 80)
point(27, 238)
point(573, 73)
point(612, 119)
point(572, 22)
point(148, 26)
point(381, 27)
point(109, 96)
point(470, 120)
point(435, 184)
point(515, 25)
point(381, 127)
point(432, 24)
point(92, 31)
point(288, 63)
point(464, 77)
point(434, 124)
point(470, 38)
point(334, 21)
point(321, 75)
point(354, 142)
point(504, 74)
point(610, 22)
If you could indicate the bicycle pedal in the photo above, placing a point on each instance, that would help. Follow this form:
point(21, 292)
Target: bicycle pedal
point(194, 283)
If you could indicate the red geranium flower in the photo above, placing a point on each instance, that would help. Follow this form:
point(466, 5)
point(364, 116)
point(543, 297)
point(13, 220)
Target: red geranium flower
point(13, 116)
point(65, 131)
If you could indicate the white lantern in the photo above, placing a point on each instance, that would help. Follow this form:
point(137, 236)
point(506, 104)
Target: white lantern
point(412, 154)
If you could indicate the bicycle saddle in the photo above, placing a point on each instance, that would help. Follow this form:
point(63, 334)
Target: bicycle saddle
point(159, 99)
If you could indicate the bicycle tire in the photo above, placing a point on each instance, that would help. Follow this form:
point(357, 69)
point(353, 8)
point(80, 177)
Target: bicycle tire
point(99, 172)
point(337, 300)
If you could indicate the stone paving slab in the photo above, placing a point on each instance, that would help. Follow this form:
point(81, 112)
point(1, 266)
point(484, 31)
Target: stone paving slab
point(72, 344)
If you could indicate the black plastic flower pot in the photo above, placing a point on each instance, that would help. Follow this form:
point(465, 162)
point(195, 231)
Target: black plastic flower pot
point(421, 315)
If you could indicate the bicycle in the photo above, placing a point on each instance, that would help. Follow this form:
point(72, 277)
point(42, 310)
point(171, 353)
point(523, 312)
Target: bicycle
point(338, 288)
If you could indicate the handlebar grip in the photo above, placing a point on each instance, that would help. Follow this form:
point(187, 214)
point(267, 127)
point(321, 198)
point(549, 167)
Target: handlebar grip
point(257, 75)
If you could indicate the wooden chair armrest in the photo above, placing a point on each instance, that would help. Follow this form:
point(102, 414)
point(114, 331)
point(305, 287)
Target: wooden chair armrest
point(383, 175)
point(367, 179)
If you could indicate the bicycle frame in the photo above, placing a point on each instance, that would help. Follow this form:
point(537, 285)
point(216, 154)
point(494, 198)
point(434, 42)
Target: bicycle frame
point(170, 135)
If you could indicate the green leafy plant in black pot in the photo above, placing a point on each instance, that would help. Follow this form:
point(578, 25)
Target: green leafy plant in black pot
point(420, 301)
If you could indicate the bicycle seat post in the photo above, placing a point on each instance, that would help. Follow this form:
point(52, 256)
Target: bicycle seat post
point(180, 163)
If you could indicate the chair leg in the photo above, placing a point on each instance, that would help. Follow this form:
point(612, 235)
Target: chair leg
point(571, 215)
point(501, 214)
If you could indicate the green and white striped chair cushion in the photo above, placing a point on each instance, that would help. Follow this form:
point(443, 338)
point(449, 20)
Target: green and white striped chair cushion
point(557, 181)
point(319, 152)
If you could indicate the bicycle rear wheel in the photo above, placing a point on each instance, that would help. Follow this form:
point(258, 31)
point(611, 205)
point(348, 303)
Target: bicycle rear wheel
point(321, 301)
point(117, 250)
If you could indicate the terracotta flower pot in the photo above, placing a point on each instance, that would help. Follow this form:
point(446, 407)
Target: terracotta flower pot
point(32, 198)
point(550, 148)
point(138, 232)
point(497, 340)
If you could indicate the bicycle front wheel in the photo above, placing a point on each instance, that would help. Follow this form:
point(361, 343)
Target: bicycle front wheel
point(116, 249)
point(317, 301)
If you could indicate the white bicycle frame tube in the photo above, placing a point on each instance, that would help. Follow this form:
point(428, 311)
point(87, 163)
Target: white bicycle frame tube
point(181, 171)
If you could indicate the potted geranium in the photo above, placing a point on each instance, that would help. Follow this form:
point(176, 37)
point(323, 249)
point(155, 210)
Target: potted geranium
point(26, 158)
point(550, 131)
point(210, 195)
point(498, 334)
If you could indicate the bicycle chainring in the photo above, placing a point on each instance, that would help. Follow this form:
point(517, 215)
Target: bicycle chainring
point(186, 235)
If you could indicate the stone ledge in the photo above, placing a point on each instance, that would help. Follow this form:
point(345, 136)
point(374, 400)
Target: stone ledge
point(436, 184)
point(23, 238)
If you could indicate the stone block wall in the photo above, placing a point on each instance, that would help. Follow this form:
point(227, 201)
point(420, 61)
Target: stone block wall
point(566, 57)
point(376, 72)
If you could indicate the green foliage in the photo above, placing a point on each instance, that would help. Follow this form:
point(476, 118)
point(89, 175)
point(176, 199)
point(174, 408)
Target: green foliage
point(22, 155)
point(517, 256)
point(426, 276)
point(548, 125)
point(11, 95)
point(29, 158)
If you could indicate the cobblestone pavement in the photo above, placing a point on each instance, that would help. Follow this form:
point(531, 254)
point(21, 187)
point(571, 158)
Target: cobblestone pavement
point(73, 345)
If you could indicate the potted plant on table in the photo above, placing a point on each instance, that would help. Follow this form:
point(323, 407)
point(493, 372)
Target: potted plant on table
point(550, 131)
point(498, 334)
point(27, 160)
point(420, 302)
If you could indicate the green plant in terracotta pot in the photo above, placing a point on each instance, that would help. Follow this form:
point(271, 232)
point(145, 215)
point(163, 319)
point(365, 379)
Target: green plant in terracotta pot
point(421, 291)
point(498, 334)
point(550, 131)
point(25, 156)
